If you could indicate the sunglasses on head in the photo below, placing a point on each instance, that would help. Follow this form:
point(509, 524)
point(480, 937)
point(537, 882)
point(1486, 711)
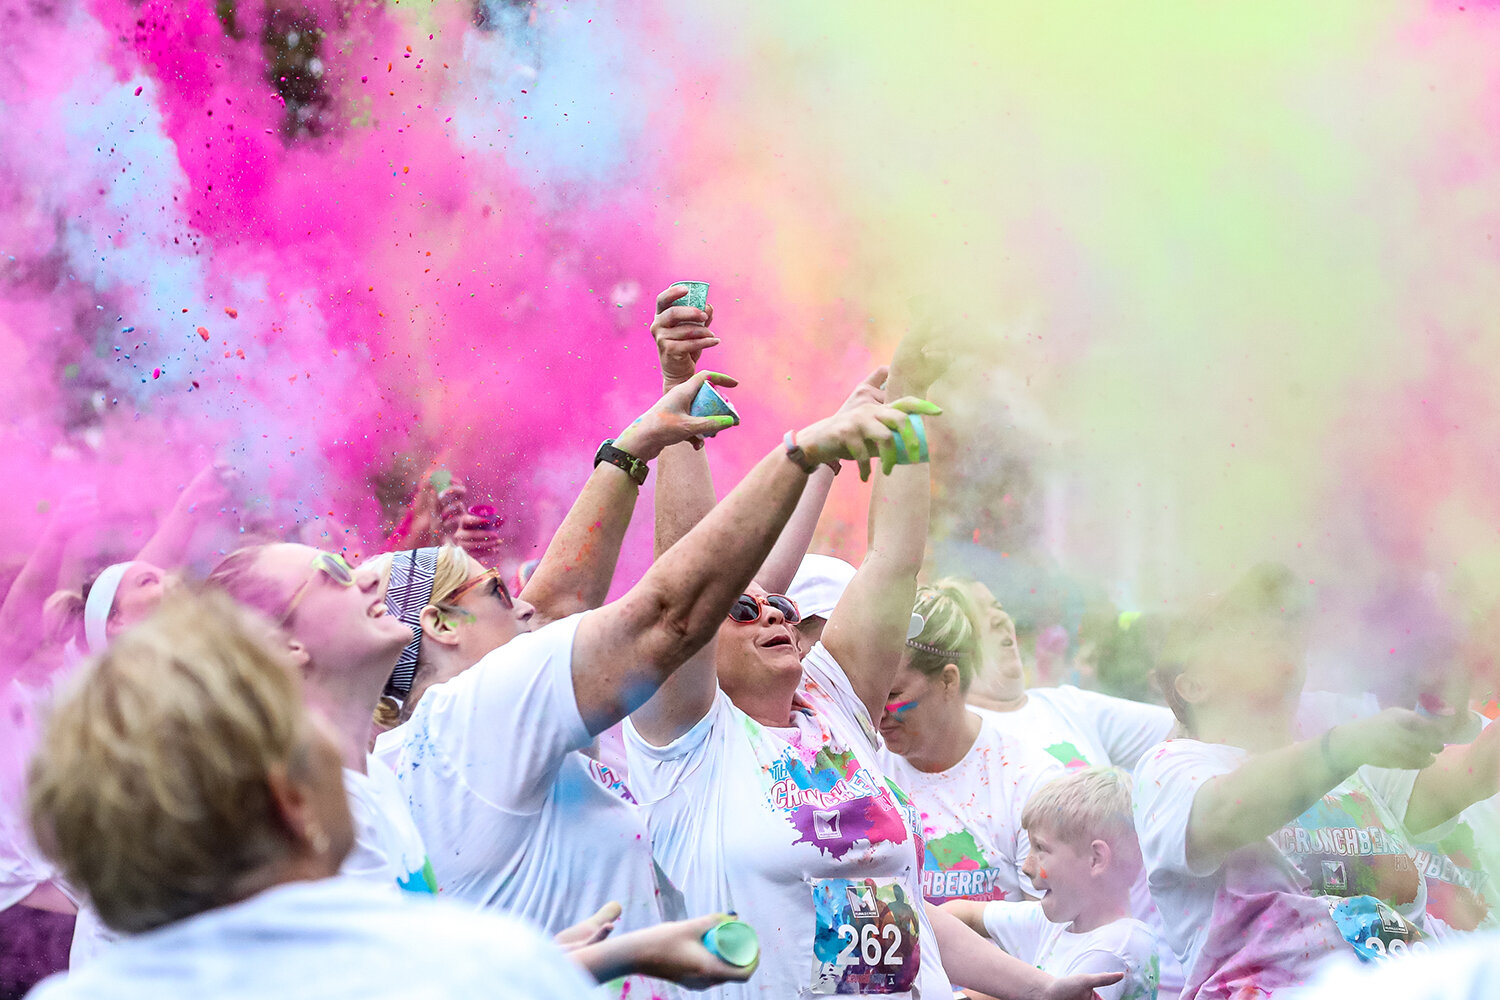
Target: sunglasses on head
point(328, 564)
point(746, 608)
point(501, 591)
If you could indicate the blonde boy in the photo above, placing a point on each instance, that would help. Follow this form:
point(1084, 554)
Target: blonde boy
point(1084, 858)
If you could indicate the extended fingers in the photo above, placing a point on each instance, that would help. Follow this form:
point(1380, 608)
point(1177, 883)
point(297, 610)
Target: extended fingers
point(914, 404)
point(680, 316)
point(669, 295)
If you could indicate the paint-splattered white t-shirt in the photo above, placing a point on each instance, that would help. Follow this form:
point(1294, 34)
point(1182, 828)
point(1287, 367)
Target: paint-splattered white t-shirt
point(798, 831)
point(1337, 880)
point(970, 816)
point(515, 818)
point(1127, 946)
point(388, 848)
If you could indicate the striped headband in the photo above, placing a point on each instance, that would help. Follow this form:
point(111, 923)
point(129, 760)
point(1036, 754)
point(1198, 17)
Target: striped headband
point(100, 603)
point(406, 595)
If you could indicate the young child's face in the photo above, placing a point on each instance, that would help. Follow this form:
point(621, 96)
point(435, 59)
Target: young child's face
point(1062, 872)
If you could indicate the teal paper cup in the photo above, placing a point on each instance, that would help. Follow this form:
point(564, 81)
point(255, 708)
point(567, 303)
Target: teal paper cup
point(697, 295)
point(902, 456)
point(710, 403)
point(734, 941)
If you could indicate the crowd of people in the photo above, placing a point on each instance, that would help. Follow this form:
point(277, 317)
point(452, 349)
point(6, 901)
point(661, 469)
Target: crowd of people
point(423, 775)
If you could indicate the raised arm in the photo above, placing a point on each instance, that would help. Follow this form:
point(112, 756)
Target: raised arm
point(21, 612)
point(867, 630)
point(627, 649)
point(781, 565)
point(1273, 788)
point(684, 496)
point(575, 572)
point(204, 498)
point(1462, 775)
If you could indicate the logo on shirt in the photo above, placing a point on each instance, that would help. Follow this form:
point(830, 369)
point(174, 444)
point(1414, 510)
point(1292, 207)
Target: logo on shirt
point(606, 776)
point(861, 902)
point(1334, 877)
point(955, 867)
point(829, 797)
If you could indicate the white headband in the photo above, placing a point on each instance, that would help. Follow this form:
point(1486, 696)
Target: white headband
point(101, 601)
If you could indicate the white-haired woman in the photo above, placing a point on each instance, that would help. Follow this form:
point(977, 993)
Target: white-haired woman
point(761, 768)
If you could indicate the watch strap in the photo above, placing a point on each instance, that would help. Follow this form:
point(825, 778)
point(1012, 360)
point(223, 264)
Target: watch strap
point(622, 460)
point(796, 454)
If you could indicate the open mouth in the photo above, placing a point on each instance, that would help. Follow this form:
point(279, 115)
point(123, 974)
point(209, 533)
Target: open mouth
point(779, 639)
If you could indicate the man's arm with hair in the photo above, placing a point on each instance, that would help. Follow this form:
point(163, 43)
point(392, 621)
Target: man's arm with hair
point(575, 572)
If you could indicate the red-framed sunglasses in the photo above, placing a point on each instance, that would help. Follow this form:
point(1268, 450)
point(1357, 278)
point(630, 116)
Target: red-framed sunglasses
point(746, 608)
point(501, 591)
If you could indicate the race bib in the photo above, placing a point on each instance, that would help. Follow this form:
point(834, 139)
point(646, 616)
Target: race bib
point(865, 941)
point(1373, 929)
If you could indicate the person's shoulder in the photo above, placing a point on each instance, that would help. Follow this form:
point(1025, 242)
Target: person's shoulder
point(550, 639)
point(388, 747)
point(1185, 751)
point(1062, 695)
point(1125, 936)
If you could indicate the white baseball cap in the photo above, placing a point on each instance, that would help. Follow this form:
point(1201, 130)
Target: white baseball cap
point(820, 583)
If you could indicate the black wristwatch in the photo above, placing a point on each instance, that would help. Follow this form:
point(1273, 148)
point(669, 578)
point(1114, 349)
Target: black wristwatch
point(622, 460)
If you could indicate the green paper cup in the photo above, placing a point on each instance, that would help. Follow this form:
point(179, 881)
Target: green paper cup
point(697, 295)
point(711, 403)
point(902, 456)
point(734, 941)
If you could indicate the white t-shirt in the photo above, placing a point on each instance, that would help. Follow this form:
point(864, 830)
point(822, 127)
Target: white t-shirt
point(970, 816)
point(1085, 728)
point(1337, 879)
point(1126, 945)
point(798, 831)
point(387, 848)
point(514, 816)
point(334, 938)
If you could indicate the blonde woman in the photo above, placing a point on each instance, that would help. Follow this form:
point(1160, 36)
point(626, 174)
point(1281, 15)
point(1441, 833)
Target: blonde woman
point(185, 785)
point(968, 779)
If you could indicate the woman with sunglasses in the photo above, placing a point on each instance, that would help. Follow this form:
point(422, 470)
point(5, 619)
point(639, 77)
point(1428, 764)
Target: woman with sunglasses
point(761, 772)
point(338, 632)
point(561, 685)
point(457, 610)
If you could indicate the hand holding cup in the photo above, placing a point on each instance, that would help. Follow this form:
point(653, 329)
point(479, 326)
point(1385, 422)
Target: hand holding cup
point(681, 333)
point(865, 432)
point(671, 421)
